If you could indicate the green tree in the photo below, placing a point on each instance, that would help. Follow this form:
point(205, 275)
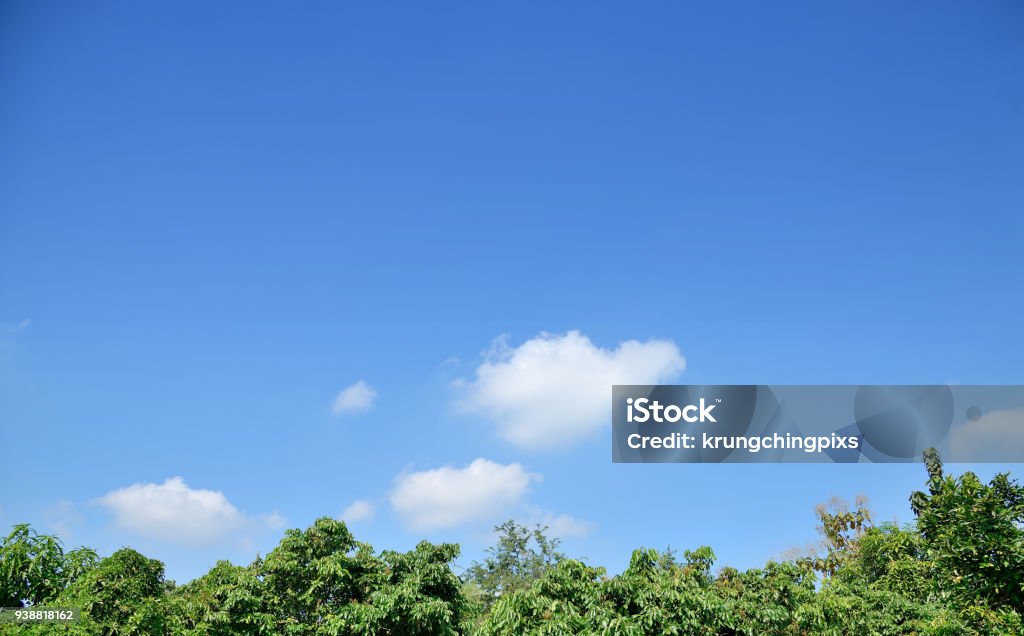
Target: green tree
point(125, 594)
point(229, 600)
point(841, 530)
point(956, 572)
point(321, 581)
point(414, 593)
point(520, 557)
point(34, 568)
point(973, 536)
point(311, 575)
point(567, 599)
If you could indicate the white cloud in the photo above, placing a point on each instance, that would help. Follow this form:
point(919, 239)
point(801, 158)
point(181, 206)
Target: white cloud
point(62, 518)
point(274, 520)
point(358, 510)
point(353, 398)
point(997, 436)
point(176, 513)
point(554, 390)
point(447, 496)
point(564, 526)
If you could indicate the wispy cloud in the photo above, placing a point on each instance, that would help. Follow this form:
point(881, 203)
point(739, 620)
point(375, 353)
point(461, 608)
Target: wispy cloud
point(62, 518)
point(14, 327)
point(354, 398)
point(273, 520)
point(996, 436)
point(359, 510)
point(566, 526)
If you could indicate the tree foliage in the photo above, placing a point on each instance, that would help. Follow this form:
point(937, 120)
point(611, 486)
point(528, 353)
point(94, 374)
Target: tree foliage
point(34, 568)
point(958, 570)
point(520, 557)
point(973, 537)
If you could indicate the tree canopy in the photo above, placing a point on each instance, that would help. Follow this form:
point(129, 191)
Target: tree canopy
point(957, 570)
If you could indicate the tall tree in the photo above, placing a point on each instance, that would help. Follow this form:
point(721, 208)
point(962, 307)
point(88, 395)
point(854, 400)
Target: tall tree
point(521, 556)
point(974, 536)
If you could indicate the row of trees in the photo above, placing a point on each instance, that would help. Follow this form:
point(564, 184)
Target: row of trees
point(958, 570)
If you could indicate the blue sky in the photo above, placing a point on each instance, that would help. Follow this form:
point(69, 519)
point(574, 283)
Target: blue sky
point(215, 218)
